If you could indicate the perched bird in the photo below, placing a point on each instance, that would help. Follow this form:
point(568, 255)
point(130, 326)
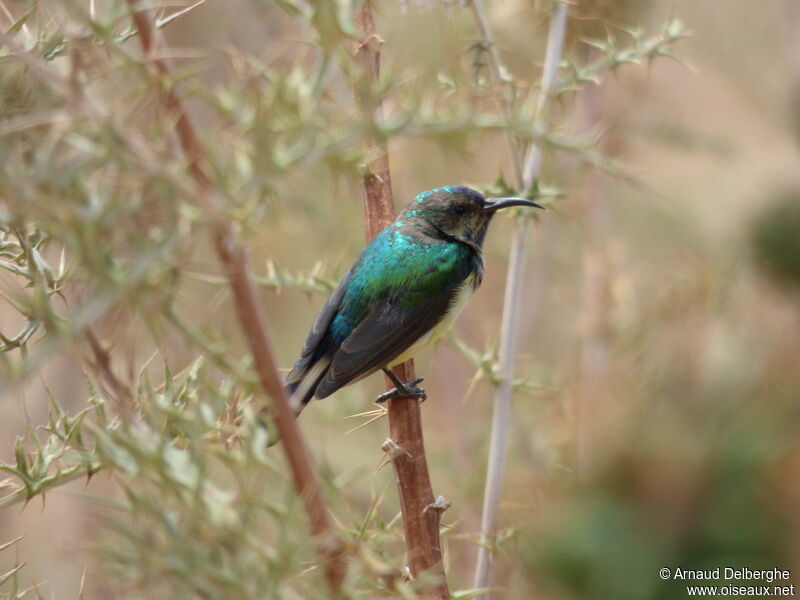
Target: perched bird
point(402, 293)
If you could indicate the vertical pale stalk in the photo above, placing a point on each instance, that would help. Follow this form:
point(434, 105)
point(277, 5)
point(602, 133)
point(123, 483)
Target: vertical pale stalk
point(249, 312)
point(509, 333)
point(421, 514)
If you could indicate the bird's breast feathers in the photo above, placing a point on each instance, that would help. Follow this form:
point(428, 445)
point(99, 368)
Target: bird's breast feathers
point(462, 294)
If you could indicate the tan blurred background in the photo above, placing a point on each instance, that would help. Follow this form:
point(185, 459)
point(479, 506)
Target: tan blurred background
point(691, 454)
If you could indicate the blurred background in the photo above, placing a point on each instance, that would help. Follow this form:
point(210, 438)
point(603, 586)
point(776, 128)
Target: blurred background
point(661, 331)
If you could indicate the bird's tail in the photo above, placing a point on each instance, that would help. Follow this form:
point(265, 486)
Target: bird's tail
point(300, 389)
point(298, 398)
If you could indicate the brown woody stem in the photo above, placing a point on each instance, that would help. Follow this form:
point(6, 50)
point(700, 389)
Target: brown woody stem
point(421, 516)
point(251, 317)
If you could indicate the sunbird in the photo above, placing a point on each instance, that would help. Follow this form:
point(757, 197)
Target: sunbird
point(401, 294)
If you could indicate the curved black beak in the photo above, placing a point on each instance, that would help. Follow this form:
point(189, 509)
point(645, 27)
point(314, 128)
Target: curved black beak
point(493, 204)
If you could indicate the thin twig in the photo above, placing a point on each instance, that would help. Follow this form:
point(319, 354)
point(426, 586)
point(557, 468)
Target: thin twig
point(500, 77)
point(20, 494)
point(251, 317)
point(100, 365)
point(509, 334)
point(421, 513)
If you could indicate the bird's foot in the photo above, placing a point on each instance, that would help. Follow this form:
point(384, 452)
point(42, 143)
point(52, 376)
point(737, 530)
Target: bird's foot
point(402, 390)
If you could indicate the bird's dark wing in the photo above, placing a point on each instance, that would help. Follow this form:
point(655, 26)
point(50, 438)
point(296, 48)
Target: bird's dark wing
point(315, 346)
point(386, 332)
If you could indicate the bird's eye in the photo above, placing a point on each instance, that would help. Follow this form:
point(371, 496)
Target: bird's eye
point(459, 209)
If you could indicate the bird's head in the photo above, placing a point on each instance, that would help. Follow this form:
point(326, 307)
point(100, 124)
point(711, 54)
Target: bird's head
point(459, 212)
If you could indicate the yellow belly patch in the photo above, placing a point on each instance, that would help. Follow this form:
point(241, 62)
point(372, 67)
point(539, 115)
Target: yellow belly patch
point(464, 293)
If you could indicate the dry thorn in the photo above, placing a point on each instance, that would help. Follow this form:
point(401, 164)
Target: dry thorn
point(367, 44)
point(391, 452)
point(12, 542)
point(374, 415)
point(83, 583)
point(439, 505)
point(393, 449)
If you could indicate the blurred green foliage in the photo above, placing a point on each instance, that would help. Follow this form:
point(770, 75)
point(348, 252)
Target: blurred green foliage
point(123, 370)
point(659, 505)
point(776, 241)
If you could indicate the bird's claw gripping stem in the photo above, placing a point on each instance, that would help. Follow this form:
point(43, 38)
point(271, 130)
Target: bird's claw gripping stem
point(402, 390)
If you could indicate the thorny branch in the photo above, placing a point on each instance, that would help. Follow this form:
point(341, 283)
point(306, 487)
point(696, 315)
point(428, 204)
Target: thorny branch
point(421, 513)
point(252, 319)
